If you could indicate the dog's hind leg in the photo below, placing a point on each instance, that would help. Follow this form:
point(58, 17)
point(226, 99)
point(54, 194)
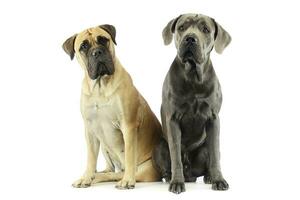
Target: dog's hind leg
point(161, 160)
point(107, 177)
point(199, 162)
point(147, 173)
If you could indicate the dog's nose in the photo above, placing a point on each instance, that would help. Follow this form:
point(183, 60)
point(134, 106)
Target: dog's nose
point(96, 52)
point(190, 39)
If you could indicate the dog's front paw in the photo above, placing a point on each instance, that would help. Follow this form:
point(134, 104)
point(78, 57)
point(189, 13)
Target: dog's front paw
point(125, 184)
point(84, 181)
point(220, 185)
point(177, 187)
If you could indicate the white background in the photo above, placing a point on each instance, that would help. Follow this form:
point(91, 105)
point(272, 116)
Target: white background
point(42, 147)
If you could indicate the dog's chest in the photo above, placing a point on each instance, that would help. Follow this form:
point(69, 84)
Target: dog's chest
point(195, 115)
point(195, 108)
point(101, 109)
point(103, 116)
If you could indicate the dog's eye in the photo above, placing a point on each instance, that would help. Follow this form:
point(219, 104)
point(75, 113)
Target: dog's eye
point(181, 28)
point(102, 40)
point(205, 29)
point(84, 46)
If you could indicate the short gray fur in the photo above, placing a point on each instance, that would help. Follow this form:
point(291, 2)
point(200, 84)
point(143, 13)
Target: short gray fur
point(191, 102)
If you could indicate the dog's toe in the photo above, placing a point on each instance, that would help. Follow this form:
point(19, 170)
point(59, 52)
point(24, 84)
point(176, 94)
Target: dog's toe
point(220, 185)
point(177, 187)
point(125, 184)
point(77, 183)
point(83, 182)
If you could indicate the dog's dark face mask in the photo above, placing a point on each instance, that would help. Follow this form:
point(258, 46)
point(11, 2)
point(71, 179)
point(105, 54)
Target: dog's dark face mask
point(99, 58)
point(94, 48)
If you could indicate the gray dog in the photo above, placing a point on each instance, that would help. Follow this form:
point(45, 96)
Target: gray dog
point(190, 105)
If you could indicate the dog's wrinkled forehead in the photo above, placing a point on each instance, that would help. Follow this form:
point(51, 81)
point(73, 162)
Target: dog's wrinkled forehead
point(90, 35)
point(194, 21)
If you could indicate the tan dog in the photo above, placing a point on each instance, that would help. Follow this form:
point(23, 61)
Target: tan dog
point(115, 114)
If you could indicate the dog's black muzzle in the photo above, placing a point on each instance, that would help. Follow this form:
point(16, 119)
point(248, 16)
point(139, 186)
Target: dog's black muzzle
point(100, 63)
point(189, 49)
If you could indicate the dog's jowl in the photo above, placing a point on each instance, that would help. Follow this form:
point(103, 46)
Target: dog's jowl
point(190, 105)
point(117, 119)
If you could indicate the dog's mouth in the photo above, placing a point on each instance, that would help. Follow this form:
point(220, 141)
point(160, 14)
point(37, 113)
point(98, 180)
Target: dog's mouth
point(103, 69)
point(188, 56)
point(189, 60)
point(99, 71)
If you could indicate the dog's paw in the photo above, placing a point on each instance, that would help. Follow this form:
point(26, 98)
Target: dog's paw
point(84, 181)
point(220, 185)
point(207, 179)
point(177, 187)
point(125, 184)
point(167, 177)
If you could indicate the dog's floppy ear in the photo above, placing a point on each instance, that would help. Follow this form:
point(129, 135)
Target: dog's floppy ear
point(111, 30)
point(168, 31)
point(222, 38)
point(68, 46)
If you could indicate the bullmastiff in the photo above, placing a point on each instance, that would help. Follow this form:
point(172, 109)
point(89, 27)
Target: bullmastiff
point(191, 102)
point(117, 118)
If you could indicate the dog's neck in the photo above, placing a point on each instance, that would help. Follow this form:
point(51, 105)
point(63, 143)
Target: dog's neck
point(201, 69)
point(106, 85)
point(181, 84)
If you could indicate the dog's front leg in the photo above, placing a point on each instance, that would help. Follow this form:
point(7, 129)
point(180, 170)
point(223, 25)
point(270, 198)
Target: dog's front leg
point(214, 169)
point(174, 141)
point(130, 140)
point(93, 145)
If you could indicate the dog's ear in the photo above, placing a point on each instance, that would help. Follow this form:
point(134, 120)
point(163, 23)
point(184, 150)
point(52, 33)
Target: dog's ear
point(111, 30)
point(68, 46)
point(168, 31)
point(222, 37)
